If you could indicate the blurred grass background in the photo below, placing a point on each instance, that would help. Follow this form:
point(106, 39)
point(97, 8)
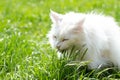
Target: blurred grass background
point(25, 53)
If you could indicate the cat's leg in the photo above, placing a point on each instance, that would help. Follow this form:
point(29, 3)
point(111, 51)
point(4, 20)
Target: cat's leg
point(115, 52)
point(97, 62)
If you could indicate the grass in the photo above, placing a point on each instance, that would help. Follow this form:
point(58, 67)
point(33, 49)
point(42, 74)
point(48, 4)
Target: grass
point(25, 53)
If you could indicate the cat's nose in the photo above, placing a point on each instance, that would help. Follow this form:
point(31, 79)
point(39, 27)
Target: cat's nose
point(58, 47)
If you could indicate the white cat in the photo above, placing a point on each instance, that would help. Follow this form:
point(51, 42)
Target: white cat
point(99, 33)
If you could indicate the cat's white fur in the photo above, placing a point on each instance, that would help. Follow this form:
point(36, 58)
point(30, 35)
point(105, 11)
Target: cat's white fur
point(99, 33)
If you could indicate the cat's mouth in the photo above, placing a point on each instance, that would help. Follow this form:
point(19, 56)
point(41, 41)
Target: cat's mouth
point(65, 50)
point(62, 51)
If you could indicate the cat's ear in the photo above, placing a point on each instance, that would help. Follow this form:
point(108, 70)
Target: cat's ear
point(55, 17)
point(79, 25)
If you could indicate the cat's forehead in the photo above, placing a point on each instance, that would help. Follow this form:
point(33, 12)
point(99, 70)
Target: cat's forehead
point(66, 21)
point(60, 30)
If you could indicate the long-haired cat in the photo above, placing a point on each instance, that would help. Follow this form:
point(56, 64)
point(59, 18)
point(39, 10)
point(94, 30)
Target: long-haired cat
point(100, 34)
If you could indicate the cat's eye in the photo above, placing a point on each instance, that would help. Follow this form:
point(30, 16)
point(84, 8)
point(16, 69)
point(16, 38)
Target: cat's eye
point(64, 40)
point(54, 37)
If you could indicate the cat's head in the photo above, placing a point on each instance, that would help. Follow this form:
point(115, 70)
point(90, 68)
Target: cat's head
point(66, 31)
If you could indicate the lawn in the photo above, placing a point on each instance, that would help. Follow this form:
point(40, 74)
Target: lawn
point(25, 53)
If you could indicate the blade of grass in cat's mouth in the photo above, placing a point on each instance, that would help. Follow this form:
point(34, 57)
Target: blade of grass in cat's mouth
point(62, 51)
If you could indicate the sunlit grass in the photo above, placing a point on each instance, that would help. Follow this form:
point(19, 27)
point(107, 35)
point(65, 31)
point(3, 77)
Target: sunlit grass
point(25, 53)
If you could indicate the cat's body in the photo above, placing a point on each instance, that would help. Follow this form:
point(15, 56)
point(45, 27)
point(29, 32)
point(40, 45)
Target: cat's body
point(100, 35)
